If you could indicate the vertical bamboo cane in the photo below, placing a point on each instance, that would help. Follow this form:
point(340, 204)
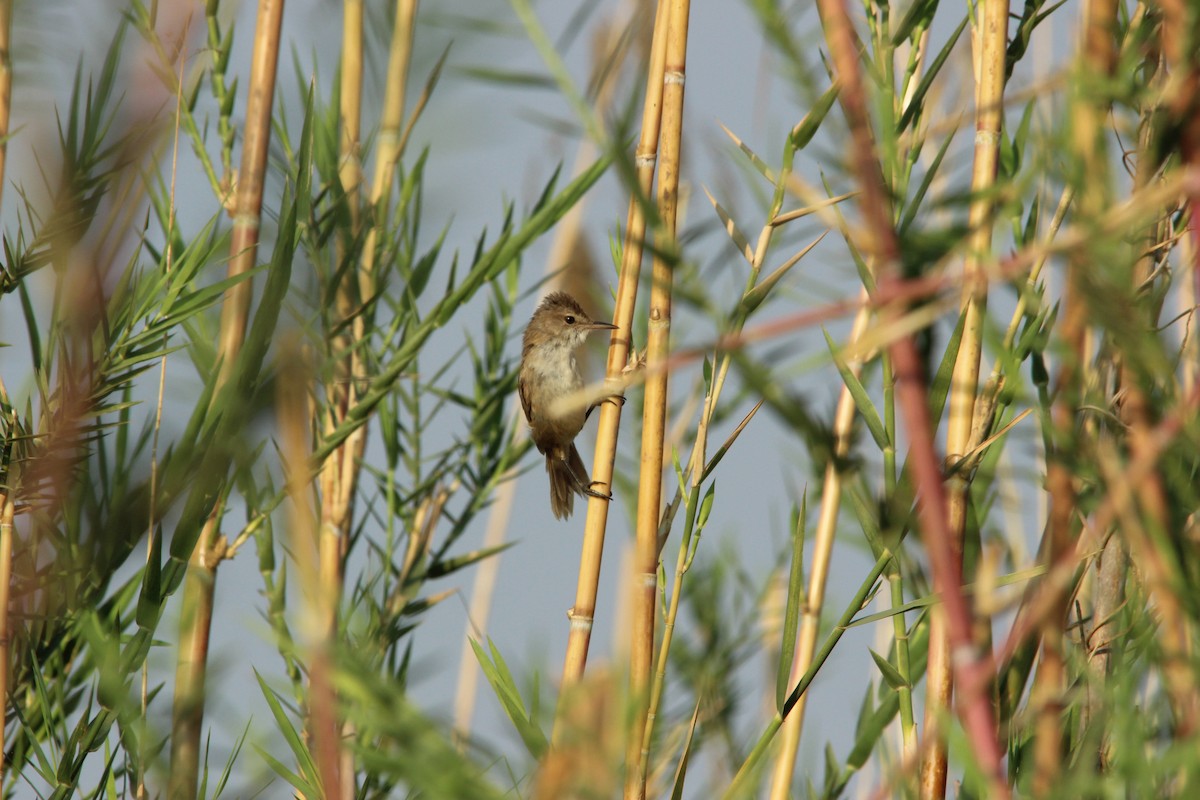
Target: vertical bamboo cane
point(583, 612)
point(654, 415)
point(6, 552)
point(991, 40)
point(810, 626)
point(880, 244)
point(199, 588)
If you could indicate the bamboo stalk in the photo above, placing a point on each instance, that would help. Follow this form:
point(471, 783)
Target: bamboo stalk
point(579, 279)
point(654, 413)
point(7, 512)
point(243, 248)
point(810, 623)
point(323, 726)
point(991, 39)
point(583, 611)
point(339, 473)
point(880, 244)
point(350, 113)
point(199, 588)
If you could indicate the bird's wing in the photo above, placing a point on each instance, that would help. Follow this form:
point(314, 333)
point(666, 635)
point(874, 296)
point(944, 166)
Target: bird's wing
point(521, 391)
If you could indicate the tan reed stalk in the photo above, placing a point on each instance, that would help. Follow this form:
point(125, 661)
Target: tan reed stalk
point(810, 624)
point(582, 614)
point(292, 393)
point(390, 138)
point(990, 36)
point(563, 252)
point(350, 139)
point(198, 593)
point(880, 245)
point(338, 515)
point(654, 414)
point(340, 471)
point(256, 140)
point(7, 512)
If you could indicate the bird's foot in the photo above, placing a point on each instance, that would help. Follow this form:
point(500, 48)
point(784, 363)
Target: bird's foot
point(590, 492)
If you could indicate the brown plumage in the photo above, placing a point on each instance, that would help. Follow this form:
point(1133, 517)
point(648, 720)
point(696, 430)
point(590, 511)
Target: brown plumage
point(549, 374)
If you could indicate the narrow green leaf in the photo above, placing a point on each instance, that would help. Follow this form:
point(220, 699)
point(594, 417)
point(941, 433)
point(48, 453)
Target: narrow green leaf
point(917, 102)
point(447, 566)
point(919, 13)
point(939, 387)
point(803, 133)
point(862, 400)
point(916, 204)
point(501, 680)
point(706, 506)
point(890, 674)
point(310, 783)
point(795, 597)
point(150, 598)
point(685, 756)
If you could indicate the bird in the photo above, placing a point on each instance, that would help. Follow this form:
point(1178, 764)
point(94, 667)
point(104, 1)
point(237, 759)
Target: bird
point(548, 375)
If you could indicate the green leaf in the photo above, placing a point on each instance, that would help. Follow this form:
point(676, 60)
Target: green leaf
point(498, 675)
point(939, 387)
point(685, 756)
point(450, 565)
point(916, 204)
point(150, 598)
point(803, 133)
point(706, 506)
point(919, 13)
point(795, 596)
point(310, 783)
point(917, 102)
point(890, 674)
point(862, 401)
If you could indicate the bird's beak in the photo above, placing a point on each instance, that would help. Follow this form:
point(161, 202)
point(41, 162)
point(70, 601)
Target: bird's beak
point(601, 326)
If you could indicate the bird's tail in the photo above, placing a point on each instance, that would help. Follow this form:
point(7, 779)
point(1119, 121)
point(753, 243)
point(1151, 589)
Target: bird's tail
point(568, 477)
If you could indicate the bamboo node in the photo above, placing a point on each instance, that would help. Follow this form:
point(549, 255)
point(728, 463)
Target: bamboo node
point(986, 137)
point(645, 159)
point(245, 220)
point(580, 622)
point(673, 77)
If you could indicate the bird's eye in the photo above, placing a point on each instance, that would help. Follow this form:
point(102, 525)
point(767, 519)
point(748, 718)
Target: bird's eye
point(569, 319)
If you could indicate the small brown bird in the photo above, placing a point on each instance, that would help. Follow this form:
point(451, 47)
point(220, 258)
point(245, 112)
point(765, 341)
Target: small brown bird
point(549, 374)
